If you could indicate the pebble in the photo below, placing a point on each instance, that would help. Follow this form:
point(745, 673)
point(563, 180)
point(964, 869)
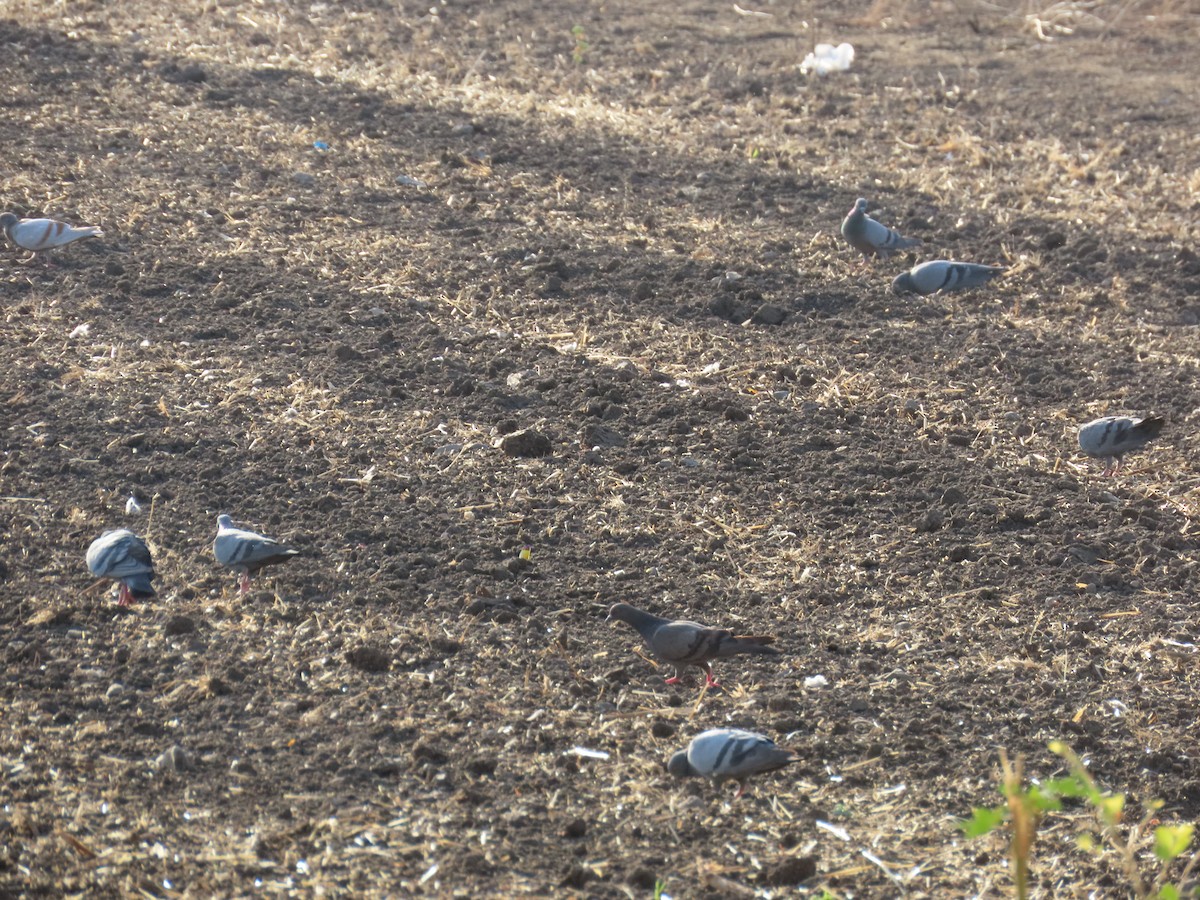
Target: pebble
point(173, 759)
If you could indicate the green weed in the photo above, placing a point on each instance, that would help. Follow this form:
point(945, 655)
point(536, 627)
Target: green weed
point(1025, 806)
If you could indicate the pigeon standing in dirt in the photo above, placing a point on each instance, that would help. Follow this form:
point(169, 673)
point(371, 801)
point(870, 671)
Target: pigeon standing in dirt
point(1111, 437)
point(124, 557)
point(870, 238)
point(729, 753)
point(943, 275)
point(684, 643)
point(39, 235)
point(245, 551)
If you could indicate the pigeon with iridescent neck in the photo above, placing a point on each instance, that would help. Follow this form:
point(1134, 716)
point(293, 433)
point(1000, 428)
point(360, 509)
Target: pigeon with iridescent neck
point(871, 238)
point(683, 643)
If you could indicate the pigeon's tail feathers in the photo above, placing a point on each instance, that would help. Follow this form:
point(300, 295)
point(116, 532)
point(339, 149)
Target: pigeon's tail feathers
point(757, 643)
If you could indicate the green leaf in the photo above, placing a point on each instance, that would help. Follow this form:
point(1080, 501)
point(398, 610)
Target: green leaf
point(1086, 842)
point(1043, 800)
point(1068, 786)
point(1171, 840)
point(1168, 892)
point(984, 820)
point(1110, 808)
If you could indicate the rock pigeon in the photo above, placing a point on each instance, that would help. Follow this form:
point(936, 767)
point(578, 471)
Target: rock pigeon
point(871, 238)
point(943, 275)
point(38, 235)
point(1111, 437)
point(124, 557)
point(729, 753)
point(687, 643)
point(245, 551)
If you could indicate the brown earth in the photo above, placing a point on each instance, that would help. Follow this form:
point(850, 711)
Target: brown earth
point(593, 234)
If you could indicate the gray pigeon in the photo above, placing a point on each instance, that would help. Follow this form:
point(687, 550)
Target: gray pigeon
point(729, 753)
point(1111, 437)
point(38, 235)
point(687, 643)
point(870, 238)
point(124, 557)
point(943, 275)
point(245, 551)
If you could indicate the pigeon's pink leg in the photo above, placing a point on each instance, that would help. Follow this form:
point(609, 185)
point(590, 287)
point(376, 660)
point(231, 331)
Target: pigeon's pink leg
point(124, 597)
point(741, 789)
point(245, 584)
point(709, 681)
point(674, 679)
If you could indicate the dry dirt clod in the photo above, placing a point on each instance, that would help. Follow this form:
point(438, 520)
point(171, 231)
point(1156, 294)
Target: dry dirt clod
point(526, 442)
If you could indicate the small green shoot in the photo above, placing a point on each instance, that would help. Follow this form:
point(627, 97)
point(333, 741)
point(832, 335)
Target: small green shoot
point(581, 48)
point(1025, 806)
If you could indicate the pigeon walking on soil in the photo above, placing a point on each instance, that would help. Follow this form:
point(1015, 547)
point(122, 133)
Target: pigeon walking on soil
point(729, 753)
point(1111, 437)
point(245, 551)
point(124, 557)
point(943, 275)
point(39, 235)
point(870, 238)
point(684, 643)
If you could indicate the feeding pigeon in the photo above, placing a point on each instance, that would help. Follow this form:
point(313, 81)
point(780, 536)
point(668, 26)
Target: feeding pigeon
point(245, 551)
point(124, 557)
point(687, 643)
point(869, 237)
point(729, 753)
point(943, 275)
point(38, 235)
point(1111, 437)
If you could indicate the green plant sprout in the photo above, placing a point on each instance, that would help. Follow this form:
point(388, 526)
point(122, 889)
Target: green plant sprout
point(579, 51)
point(1025, 806)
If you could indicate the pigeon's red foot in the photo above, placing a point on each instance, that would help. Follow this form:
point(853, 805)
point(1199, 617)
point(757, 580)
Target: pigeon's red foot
point(674, 679)
point(709, 681)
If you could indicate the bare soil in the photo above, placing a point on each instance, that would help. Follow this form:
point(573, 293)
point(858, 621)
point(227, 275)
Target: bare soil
point(624, 238)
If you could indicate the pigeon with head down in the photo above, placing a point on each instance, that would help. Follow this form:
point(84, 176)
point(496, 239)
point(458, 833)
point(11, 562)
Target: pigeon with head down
point(871, 238)
point(684, 643)
point(725, 754)
point(247, 551)
point(943, 275)
point(124, 557)
point(39, 235)
point(1111, 437)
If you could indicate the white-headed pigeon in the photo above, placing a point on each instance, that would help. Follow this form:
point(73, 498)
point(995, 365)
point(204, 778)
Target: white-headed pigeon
point(245, 551)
